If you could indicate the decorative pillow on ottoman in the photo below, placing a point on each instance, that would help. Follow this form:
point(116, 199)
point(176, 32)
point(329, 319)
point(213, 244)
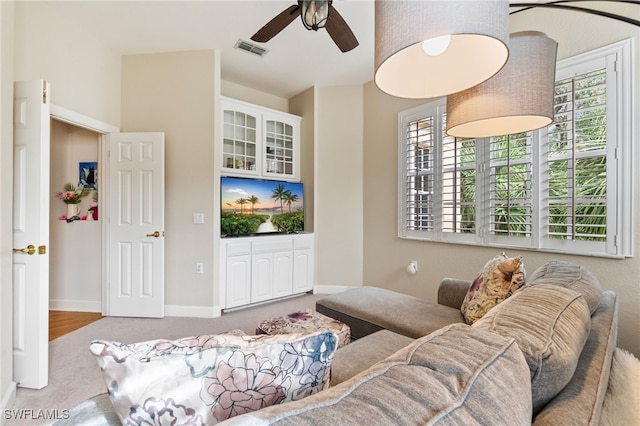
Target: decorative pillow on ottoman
point(497, 280)
point(206, 379)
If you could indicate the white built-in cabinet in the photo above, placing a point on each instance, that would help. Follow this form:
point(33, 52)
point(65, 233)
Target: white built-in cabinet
point(256, 269)
point(259, 142)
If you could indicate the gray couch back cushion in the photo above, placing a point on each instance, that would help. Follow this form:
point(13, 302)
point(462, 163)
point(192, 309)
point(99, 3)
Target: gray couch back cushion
point(456, 375)
point(551, 325)
point(569, 275)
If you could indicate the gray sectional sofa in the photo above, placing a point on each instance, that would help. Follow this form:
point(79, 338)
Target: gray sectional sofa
point(541, 357)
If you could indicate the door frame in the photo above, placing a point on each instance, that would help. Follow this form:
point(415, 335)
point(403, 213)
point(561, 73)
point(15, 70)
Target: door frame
point(103, 129)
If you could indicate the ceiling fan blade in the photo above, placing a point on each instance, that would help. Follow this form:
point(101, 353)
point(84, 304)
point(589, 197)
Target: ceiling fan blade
point(339, 31)
point(277, 24)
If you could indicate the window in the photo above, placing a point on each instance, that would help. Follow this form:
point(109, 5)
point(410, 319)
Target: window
point(563, 188)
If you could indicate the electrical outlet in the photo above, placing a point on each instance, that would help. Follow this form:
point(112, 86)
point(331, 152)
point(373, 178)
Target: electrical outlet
point(412, 267)
point(199, 268)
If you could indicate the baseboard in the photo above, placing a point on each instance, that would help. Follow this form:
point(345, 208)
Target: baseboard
point(331, 289)
point(8, 399)
point(75, 305)
point(192, 311)
point(169, 310)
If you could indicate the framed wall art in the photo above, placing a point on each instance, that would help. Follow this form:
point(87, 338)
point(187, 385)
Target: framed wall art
point(88, 174)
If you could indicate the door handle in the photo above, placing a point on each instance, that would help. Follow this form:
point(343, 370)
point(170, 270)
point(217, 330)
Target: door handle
point(30, 249)
point(155, 234)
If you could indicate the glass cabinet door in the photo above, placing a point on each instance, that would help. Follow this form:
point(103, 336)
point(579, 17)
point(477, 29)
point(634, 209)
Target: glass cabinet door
point(240, 138)
point(278, 148)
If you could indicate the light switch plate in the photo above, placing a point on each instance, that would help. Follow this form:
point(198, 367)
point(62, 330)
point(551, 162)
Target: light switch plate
point(198, 218)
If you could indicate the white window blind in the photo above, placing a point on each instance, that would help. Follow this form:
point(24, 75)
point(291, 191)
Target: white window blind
point(458, 185)
point(419, 190)
point(510, 186)
point(577, 159)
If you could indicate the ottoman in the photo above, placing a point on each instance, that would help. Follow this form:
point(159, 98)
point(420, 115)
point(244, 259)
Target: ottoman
point(305, 321)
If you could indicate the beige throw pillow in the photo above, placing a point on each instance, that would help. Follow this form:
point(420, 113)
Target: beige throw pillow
point(496, 281)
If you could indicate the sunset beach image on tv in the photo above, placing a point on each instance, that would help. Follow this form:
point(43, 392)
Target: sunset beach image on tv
point(260, 206)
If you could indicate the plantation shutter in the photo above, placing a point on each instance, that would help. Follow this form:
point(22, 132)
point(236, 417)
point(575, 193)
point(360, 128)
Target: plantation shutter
point(419, 180)
point(577, 161)
point(458, 185)
point(510, 198)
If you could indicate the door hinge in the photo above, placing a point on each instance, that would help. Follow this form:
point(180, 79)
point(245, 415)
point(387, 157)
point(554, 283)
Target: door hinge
point(44, 92)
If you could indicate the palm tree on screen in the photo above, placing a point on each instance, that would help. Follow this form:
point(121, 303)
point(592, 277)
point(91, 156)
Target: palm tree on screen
point(253, 200)
point(278, 194)
point(289, 199)
point(242, 202)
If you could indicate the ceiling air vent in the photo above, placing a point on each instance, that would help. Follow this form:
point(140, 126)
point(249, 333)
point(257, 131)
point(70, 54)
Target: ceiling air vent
point(251, 48)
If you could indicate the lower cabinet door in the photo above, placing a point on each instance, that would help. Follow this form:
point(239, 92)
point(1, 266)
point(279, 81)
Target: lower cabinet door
point(282, 273)
point(238, 281)
point(302, 271)
point(261, 277)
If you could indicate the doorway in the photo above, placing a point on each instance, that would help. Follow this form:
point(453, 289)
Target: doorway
point(75, 268)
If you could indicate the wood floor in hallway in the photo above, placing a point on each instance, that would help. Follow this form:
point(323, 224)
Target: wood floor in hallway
point(63, 322)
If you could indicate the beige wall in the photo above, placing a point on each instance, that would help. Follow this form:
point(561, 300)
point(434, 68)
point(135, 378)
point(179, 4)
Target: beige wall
point(338, 186)
point(174, 93)
point(386, 255)
point(84, 75)
point(303, 105)
point(257, 97)
point(7, 386)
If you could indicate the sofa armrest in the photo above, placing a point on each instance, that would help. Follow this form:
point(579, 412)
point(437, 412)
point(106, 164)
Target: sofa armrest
point(451, 292)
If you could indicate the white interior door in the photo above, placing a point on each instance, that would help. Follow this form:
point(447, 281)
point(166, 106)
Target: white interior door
point(136, 225)
point(31, 234)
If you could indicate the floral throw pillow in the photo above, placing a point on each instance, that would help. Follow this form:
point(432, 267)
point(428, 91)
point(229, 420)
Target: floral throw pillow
point(497, 280)
point(203, 380)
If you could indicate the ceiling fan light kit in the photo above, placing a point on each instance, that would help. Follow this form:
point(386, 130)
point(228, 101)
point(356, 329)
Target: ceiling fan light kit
point(517, 99)
point(315, 14)
point(432, 48)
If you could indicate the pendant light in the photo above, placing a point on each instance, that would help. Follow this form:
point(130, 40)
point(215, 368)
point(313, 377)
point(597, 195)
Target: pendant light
point(431, 48)
point(517, 99)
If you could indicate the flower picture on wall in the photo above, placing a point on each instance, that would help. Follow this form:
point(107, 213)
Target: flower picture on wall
point(88, 174)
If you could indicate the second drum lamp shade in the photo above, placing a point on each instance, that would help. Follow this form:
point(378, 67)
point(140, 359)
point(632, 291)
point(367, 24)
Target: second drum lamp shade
point(517, 99)
point(432, 48)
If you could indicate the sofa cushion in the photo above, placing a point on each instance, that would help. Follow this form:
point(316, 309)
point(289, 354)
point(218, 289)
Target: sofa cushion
point(569, 275)
point(363, 353)
point(496, 281)
point(370, 309)
point(456, 375)
point(581, 401)
point(551, 325)
point(206, 379)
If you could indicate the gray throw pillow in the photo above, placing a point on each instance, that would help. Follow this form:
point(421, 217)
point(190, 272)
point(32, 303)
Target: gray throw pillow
point(551, 325)
point(569, 275)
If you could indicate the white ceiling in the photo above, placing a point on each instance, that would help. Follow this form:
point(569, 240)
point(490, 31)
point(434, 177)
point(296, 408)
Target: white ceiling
point(297, 58)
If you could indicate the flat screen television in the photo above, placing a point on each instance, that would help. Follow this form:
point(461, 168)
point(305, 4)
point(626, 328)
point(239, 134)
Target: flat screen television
point(260, 207)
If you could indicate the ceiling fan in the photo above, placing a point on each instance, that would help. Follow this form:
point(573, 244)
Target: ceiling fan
point(315, 14)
